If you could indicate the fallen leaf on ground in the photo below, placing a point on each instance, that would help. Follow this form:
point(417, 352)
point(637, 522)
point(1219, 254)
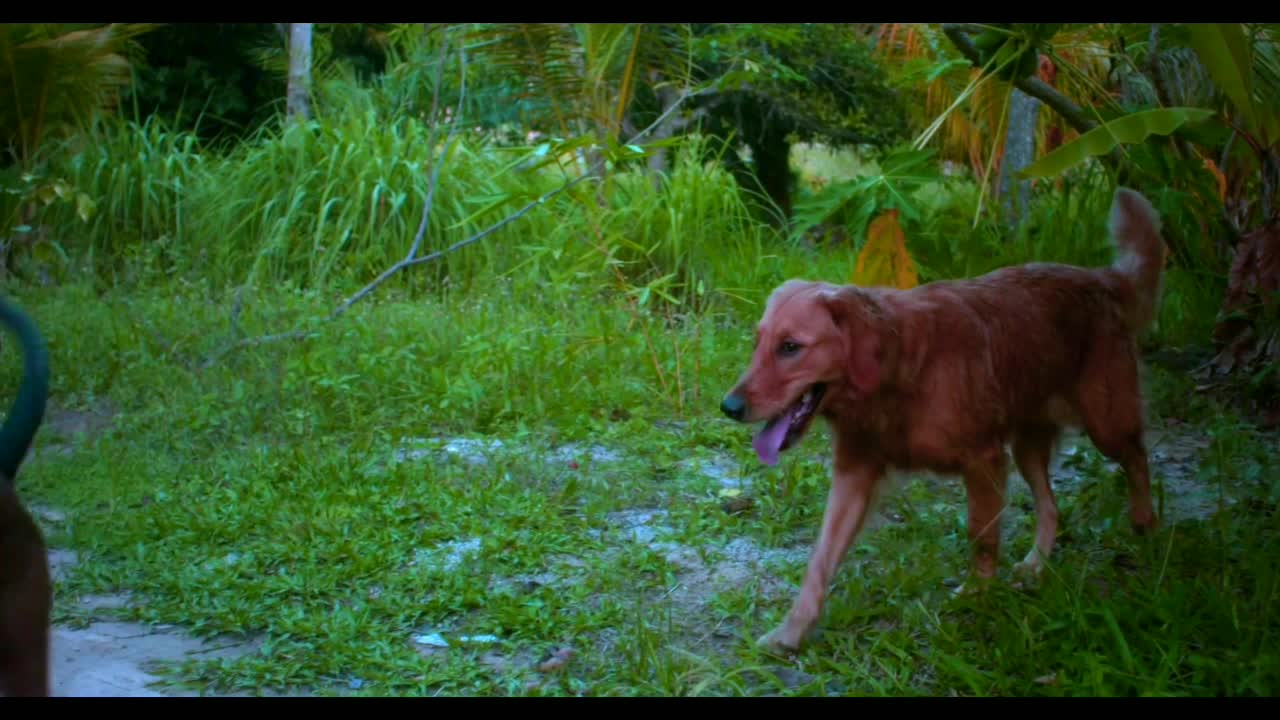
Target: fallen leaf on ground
point(431, 640)
point(556, 661)
point(1050, 679)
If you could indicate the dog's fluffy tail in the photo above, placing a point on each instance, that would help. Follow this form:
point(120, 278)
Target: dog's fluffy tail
point(1135, 230)
point(27, 411)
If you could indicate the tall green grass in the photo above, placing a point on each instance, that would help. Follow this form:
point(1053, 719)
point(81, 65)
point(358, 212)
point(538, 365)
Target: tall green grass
point(660, 278)
point(332, 204)
point(328, 204)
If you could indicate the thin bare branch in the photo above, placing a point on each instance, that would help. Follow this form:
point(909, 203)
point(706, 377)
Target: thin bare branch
point(686, 95)
point(434, 116)
point(437, 165)
point(438, 162)
point(500, 224)
point(412, 260)
point(435, 87)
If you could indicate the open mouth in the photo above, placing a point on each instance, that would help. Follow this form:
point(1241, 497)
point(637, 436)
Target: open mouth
point(784, 430)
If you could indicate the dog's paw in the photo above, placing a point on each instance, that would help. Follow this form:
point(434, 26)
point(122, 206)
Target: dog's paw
point(1028, 571)
point(779, 641)
point(1026, 576)
point(973, 585)
point(1144, 523)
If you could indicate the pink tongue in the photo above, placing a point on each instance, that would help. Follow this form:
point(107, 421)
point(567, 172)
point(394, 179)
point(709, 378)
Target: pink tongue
point(768, 442)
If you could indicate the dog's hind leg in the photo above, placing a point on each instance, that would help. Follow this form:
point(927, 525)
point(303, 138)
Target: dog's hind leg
point(1110, 403)
point(1031, 450)
point(1128, 449)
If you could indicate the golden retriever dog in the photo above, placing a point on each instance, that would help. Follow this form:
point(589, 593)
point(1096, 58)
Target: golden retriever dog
point(942, 377)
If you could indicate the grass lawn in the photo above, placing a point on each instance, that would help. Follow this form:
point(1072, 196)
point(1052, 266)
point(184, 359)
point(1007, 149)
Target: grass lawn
point(505, 474)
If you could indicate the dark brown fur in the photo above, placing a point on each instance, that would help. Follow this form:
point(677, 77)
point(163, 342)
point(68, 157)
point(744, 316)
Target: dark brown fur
point(943, 377)
point(26, 594)
point(26, 599)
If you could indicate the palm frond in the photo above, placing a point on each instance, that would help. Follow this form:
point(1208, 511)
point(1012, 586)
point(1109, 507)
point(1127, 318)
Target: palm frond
point(544, 57)
point(53, 78)
point(588, 73)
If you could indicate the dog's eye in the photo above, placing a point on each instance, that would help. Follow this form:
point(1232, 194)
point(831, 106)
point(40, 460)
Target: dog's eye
point(789, 348)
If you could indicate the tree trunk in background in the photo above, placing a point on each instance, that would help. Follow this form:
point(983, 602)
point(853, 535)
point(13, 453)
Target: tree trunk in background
point(666, 98)
point(297, 97)
point(771, 160)
point(1019, 152)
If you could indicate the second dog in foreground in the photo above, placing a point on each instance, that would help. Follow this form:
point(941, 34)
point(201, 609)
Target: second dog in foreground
point(944, 376)
point(25, 591)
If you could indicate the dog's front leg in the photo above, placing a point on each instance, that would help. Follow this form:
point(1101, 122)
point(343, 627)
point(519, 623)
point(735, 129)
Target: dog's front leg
point(852, 487)
point(985, 481)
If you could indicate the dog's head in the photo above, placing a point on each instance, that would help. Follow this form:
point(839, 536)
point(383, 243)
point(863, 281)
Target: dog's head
point(815, 339)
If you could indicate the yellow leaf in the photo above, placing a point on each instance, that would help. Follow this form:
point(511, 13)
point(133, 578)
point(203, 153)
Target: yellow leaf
point(1212, 167)
point(884, 260)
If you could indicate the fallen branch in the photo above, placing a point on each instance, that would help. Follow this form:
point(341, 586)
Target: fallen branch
point(254, 341)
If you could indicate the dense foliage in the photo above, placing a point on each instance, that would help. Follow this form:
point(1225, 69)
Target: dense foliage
point(812, 83)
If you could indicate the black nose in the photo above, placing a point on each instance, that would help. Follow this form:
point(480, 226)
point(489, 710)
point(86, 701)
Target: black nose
point(735, 406)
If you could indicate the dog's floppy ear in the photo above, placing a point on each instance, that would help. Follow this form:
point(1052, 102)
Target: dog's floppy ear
point(864, 345)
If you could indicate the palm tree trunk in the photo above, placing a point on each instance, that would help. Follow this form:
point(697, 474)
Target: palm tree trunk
point(1019, 152)
point(297, 96)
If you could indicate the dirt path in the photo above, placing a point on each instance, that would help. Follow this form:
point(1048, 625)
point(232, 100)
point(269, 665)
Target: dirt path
point(109, 658)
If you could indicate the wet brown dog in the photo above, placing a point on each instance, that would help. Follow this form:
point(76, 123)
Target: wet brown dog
point(26, 595)
point(943, 376)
